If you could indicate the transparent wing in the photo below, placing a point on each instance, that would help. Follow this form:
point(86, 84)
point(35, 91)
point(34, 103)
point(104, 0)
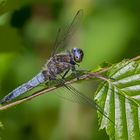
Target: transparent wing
point(63, 37)
point(79, 97)
point(75, 96)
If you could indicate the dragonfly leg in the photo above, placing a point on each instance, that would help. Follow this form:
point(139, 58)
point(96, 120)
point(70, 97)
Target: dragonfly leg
point(63, 77)
point(51, 80)
point(74, 71)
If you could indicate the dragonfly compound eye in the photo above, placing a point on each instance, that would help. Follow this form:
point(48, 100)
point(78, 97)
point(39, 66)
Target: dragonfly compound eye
point(78, 54)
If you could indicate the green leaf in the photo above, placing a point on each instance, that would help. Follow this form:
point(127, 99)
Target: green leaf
point(101, 66)
point(120, 100)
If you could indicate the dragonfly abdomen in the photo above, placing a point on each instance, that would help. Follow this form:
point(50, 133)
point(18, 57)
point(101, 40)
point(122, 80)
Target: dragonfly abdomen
point(38, 79)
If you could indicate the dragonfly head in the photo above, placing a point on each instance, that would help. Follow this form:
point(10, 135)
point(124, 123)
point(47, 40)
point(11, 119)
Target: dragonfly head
point(77, 54)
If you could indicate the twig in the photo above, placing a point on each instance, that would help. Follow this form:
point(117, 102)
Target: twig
point(38, 93)
point(89, 75)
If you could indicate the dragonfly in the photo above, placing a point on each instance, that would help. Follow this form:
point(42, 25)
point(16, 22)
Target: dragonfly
point(57, 64)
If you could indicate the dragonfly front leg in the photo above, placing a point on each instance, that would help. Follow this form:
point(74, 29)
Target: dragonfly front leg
point(74, 71)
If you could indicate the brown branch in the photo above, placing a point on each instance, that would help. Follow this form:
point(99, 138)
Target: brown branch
point(46, 90)
point(38, 93)
point(89, 75)
point(135, 58)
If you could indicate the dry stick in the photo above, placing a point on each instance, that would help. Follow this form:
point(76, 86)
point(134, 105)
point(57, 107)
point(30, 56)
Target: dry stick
point(89, 75)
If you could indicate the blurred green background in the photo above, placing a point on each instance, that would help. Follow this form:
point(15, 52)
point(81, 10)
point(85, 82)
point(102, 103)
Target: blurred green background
point(110, 32)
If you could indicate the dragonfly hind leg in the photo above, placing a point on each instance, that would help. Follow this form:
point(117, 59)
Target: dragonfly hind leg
point(73, 71)
point(52, 80)
point(63, 77)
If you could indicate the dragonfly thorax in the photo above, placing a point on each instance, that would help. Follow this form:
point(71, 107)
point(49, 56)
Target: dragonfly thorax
point(77, 54)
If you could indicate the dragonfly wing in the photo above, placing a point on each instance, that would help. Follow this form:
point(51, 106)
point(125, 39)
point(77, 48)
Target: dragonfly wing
point(81, 98)
point(75, 96)
point(63, 37)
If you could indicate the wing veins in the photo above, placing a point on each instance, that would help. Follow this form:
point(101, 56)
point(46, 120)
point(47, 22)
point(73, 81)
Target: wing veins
point(62, 38)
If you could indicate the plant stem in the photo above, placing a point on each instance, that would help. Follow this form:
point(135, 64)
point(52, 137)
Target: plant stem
point(89, 75)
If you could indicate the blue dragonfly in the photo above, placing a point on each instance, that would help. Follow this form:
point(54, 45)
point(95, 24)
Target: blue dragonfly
point(58, 64)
